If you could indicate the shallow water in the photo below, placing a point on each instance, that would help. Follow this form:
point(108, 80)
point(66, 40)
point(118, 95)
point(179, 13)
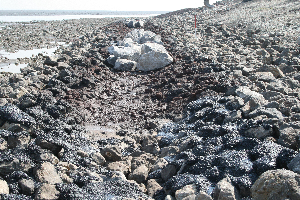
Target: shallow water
point(10, 66)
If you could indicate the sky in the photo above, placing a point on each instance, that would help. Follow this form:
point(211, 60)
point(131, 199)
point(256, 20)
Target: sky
point(112, 5)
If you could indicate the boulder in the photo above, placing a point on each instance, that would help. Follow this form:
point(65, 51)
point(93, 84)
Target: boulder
point(125, 65)
point(246, 94)
point(46, 173)
point(131, 53)
point(27, 186)
point(277, 184)
point(225, 190)
point(140, 174)
point(288, 136)
point(141, 36)
point(119, 166)
point(203, 196)
point(153, 60)
point(294, 165)
point(186, 191)
point(3, 187)
point(47, 192)
point(98, 158)
point(153, 187)
point(168, 172)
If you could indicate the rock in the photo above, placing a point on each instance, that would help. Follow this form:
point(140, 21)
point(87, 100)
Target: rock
point(168, 151)
point(288, 136)
point(140, 174)
point(27, 186)
point(276, 71)
point(125, 65)
point(8, 167)
point(153, 187)
point(20, 140)
point(135, 24)
point(141, 36)
point(47, 192)
point(294, 165)
point(298, 41)
point(98, 158)
point(269, 112)
point(3, 144)
point(276, 184)
point(159, 164)
point(259, 132)
point(169, 197)
point(185, 192)
point(13, 114)
point(225, 190)
point(168, 172)
point(50, 145)
point(119, 166)
point(130, 53)
point(112, 153)
point(153, 60)
point(46, 173)
point(246, 94)
point(3, 187)
point(203, 196)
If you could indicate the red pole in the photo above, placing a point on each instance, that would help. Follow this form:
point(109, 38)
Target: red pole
point(195, 22)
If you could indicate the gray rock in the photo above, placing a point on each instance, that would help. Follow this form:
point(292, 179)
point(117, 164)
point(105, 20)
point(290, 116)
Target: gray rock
point(9, 167)
point(125, 65)
point(112, 153)
point(153, 187)
point(27, 186)
point(168, 172)
point(141, 36)
point(47, 192)
point(159, 164)
point(4, 187)
point(225, 190)
point(277, 184)
point(121, 166)
point(289, 134)
point(185, 192)
point(153, 60)
point(46, 173)
point(43, 143)
point(259, 132)
point(294, 165)
point(140, 174)
point(19, 140)
point(168, 151)
point(269, 112)
point(203, 196)
point(246, 94)
point(98, 158)
point(130, 53)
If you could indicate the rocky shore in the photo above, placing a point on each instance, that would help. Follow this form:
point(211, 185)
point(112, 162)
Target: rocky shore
point(219, 119)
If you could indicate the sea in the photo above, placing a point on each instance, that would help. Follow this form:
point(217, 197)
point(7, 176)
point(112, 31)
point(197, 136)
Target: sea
point(15, 16)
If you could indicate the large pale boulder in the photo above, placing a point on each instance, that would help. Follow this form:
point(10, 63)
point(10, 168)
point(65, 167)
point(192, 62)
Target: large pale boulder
point(277, 184)
point(47, 173)
point(3, 187)
point(141, 36)
point(131, 52)
point(153, 60)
